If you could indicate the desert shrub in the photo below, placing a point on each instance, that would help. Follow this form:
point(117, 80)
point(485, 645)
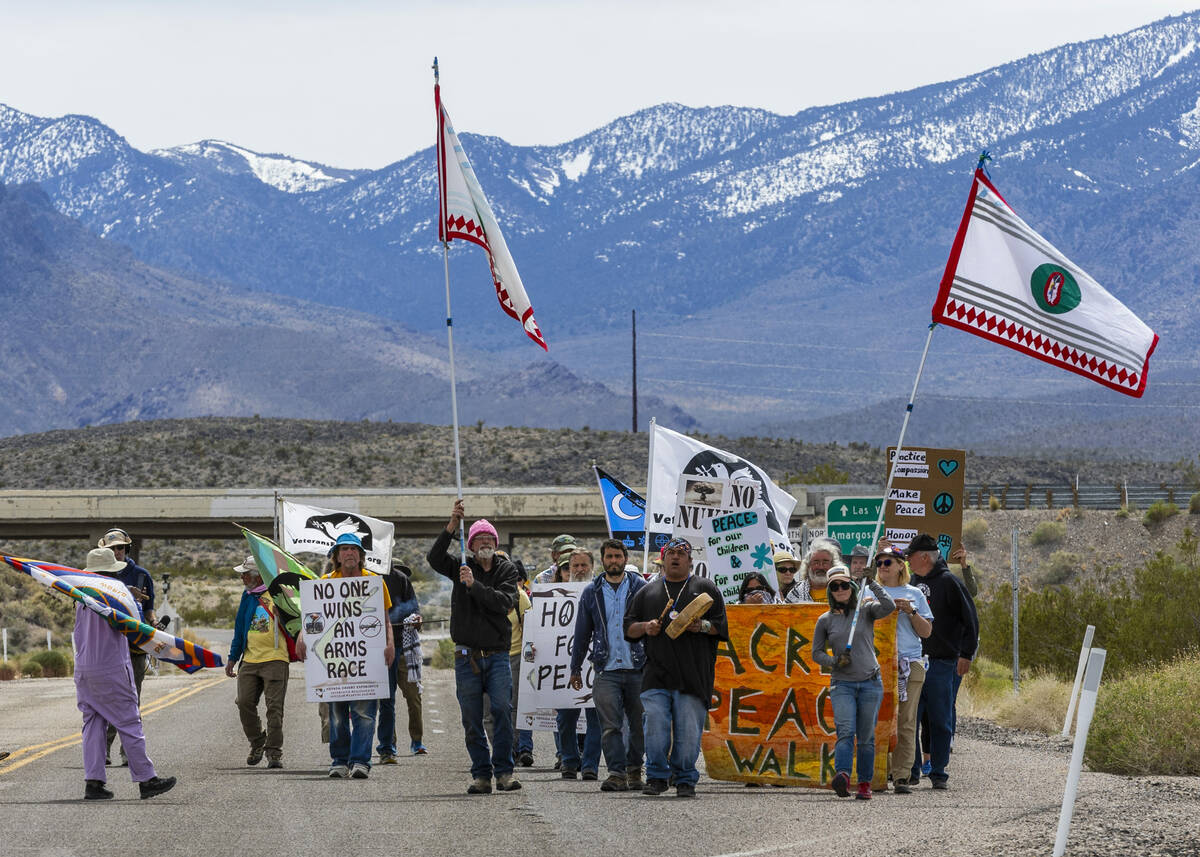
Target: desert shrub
point(1123, 512)
point(8, 671)
point(1194, 504)
point(1158, 512)
point(1048, 533)
point(1142, 722)
point(993, 503)
point(1145, 617)
point(31, 668)
point(974, 533)
point(1040, 706)
point(1060, 568)
point(443, 657)
point(984, 687)
point(54, 662)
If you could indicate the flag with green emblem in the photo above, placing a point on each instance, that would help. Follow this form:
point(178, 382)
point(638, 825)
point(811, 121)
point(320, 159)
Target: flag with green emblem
point(1007, 283)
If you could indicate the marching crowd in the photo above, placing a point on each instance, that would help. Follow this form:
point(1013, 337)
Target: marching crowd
point(651, 689)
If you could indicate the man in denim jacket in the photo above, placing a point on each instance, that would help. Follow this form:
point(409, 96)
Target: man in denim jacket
point(618, 663)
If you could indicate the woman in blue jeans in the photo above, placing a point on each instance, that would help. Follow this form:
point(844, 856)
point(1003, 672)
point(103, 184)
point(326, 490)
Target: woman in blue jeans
point(855, 688)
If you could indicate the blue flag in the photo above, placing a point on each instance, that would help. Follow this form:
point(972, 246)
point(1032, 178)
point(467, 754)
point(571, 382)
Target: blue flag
point(624, 509)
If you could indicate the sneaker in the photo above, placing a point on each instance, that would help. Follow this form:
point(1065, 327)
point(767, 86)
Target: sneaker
point(590, 775)
point(940, 785)
point(275, 764)
point(841, 784)
point(418, 749)
point(155, 786)
point(339, 772)
point(654, 787)
point(864, 792)
point(389, 759)
point(256, 756)
point(633, 779)
point(359, 771)
point(558, 764)
point(569, 773)
point(525, 760)
point(507, 783)
point(96, 790)
point(685, 790)
point(615, 783)
point(926, 768)
point(902, 787)
point(480, 786)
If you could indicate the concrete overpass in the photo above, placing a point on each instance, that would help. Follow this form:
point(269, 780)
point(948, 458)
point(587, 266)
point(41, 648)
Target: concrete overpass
point(178, 513)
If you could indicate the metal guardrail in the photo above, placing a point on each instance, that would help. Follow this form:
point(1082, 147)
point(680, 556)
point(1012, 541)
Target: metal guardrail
point(1038, 495)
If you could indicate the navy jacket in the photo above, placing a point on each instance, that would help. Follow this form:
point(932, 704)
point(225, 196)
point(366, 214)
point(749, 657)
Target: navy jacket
point(955, 623)
point(591, 625)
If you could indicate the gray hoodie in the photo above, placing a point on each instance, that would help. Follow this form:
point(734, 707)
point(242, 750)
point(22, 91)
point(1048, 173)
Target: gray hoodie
point(833, 629)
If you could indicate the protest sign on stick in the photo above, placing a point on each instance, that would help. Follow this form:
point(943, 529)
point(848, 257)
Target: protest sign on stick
point(547, 644)
point(345, 632)
point(926, 497)
point(736, 545)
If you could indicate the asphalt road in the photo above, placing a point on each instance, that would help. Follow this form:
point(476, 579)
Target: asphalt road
point(1004, 798)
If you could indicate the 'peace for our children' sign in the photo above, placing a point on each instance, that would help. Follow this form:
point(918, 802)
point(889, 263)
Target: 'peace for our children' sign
point(737, 544)
point(345, 631)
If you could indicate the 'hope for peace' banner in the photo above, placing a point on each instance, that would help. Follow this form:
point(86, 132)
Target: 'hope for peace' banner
point(771, 719)
point(548, 640)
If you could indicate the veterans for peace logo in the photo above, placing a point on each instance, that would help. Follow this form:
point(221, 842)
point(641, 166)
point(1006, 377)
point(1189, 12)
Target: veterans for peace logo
point(1054, 289)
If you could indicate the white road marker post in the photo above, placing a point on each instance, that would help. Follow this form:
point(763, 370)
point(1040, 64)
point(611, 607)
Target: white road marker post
point(1083, 659)
point(1016, 615)
point(1087, 706)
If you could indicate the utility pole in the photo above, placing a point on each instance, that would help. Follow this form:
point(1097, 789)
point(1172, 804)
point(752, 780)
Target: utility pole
point(635, 422)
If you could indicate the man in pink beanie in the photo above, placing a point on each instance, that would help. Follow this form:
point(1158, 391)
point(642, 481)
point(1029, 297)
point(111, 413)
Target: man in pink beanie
point(485, 590)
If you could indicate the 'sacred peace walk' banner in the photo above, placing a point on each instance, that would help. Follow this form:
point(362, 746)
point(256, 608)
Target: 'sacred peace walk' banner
point(771, 720)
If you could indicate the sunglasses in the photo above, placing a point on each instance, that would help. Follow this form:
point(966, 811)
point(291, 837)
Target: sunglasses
point(785, 571)
point(884, 563)
point(838, 585)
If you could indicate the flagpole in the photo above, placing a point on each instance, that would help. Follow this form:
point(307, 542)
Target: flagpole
point(462, 537)
point(646, 517)
point(891, 474)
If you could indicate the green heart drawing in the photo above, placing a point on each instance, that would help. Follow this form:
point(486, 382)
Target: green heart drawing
point(947, 466)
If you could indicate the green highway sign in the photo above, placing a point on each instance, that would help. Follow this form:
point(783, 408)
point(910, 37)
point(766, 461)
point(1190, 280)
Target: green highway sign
point(852, 510)
point(849, 535)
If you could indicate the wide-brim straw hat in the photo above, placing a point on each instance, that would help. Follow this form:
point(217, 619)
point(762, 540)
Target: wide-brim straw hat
point(103, 561)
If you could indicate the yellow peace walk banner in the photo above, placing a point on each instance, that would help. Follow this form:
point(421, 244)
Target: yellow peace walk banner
point(770, 719)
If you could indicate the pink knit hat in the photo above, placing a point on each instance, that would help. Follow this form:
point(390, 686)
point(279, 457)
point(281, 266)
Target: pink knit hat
point(482, 526)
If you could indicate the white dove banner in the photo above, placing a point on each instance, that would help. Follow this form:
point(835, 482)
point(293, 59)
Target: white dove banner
point(465, 214)
point(314, 530)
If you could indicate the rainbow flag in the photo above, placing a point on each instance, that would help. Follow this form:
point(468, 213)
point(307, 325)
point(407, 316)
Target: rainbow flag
point(110, 598)
point(282, 573)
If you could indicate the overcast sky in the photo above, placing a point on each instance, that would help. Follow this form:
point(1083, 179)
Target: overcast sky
point(348, 83)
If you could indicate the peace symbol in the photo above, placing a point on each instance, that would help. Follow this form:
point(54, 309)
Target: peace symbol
point(943, 503)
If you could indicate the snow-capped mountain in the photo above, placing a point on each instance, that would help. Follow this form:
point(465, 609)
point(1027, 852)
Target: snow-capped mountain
point(753, 227)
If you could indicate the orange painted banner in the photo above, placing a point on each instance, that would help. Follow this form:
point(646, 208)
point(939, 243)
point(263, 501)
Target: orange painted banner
point(770, 719)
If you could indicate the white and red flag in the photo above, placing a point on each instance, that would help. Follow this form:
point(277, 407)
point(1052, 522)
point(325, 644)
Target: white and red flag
point(464, 213)
point(1006, 283)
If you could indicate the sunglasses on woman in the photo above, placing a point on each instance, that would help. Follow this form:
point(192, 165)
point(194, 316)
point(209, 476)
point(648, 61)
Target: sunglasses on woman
point(838, 585)
point(884, 563)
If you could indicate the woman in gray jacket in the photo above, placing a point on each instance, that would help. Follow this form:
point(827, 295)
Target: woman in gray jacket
point(855, 688)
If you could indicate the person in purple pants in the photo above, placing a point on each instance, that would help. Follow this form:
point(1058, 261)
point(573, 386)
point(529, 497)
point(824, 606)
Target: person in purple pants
point(105, 692)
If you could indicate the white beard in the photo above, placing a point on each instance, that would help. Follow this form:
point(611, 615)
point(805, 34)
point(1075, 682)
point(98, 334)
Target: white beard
point(485, 553)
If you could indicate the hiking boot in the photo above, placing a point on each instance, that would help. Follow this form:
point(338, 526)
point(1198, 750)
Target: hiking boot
point(615, 783)
point(256, 756)
point(507, 783)
point(389, 759)
point(590, 775)
point(418, 749)
point(96, 790)
point(339, 772)
point(525, 760)
point(927, 767)
point(359, 771)
point(654, 787)
point(902, 787)
point(155, 786)
point(633, 779)
point(569, 773)
point(841, 784)
point(275, 764)
point(685, 790)
point(864, 792)
point(940, 785)
point(480, 786)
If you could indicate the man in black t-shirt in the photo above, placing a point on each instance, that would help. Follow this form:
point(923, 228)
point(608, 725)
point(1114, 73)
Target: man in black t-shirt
point(677, 682)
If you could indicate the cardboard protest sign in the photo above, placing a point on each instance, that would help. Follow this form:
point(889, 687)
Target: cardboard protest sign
point(926, 497)
point(547, 643)
point(771, 719)
point(345, 630)
point(736, 545)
